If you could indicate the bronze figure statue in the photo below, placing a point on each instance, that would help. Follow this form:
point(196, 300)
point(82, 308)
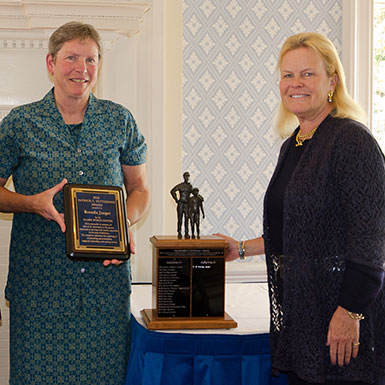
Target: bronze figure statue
point(188, 207)
point(184, 189)
point(195, 207)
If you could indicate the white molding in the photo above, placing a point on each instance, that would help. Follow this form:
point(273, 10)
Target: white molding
point(122, 16)
point(24, 42)
point(357, 51)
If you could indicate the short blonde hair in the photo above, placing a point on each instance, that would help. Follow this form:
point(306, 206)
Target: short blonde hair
point(70, 31)
point(343, 104)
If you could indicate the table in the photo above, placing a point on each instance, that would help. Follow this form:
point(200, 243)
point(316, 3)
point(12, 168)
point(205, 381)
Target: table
point(239, 356)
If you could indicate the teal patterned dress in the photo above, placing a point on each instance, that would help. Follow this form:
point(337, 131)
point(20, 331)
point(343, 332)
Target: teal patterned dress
point(69, 320)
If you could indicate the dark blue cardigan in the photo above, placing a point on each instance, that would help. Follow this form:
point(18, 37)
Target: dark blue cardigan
point(334, 213)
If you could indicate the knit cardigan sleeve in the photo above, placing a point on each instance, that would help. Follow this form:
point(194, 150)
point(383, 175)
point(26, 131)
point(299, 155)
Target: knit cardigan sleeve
point(359, 170)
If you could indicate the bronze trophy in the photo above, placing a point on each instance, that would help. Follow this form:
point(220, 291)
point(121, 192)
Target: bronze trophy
point(188, 274)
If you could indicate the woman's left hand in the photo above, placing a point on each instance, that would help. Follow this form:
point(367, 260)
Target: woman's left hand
point(343, 337)
point(108, 262)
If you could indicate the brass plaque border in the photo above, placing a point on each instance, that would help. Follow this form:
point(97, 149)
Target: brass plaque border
point(74, 248)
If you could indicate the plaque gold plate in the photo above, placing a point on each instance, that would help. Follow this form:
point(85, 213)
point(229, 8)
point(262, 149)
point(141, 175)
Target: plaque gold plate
point(96, 225)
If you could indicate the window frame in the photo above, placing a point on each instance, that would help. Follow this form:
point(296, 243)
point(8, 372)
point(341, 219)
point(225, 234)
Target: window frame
point(357, 51)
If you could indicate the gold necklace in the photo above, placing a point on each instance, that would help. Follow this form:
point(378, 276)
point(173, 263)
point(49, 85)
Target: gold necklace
point(301, 138)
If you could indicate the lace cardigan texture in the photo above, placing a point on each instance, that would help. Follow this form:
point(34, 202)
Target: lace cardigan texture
point(334, 212)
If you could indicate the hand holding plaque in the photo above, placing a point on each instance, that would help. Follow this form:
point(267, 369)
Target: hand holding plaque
point(96, 222)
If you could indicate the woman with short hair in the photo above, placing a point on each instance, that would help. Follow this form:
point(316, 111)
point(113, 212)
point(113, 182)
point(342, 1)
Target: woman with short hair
point(69, 319)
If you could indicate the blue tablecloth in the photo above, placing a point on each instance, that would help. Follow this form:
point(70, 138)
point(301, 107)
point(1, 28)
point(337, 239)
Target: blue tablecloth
point(159, 358)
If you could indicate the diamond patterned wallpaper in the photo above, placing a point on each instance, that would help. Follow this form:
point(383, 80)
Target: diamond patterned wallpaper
point(230, 94)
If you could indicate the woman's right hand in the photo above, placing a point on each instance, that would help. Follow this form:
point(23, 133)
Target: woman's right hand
point(116, 262)
point(232, 252)
point(42, 204)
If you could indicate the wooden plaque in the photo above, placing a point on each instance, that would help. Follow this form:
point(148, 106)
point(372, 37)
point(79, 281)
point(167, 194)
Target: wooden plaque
point(188, 284)
point(96, 225)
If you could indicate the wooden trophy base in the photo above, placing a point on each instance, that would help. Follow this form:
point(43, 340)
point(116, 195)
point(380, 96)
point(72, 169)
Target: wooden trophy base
point(188, 284)
point(167, 323)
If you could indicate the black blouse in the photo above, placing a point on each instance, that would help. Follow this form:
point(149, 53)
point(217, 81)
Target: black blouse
point(276, 194)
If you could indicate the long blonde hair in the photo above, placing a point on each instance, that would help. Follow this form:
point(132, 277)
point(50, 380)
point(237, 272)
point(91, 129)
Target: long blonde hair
point(343, 104)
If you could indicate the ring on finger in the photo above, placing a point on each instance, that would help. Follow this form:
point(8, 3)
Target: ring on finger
point(356, 344)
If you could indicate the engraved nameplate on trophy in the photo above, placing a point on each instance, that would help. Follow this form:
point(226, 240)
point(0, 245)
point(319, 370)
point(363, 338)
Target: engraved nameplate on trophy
point(173, 287)
point(208, 287)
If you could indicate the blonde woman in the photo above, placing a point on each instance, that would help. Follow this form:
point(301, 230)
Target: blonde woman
point(324, 227)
